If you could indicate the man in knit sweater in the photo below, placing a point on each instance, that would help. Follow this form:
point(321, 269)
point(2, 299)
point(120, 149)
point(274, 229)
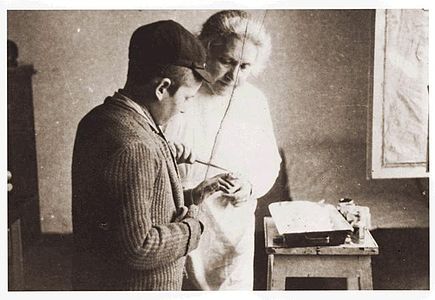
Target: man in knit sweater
point(133, 224)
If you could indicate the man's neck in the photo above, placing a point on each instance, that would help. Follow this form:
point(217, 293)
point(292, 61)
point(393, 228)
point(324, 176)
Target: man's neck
point(142, 102)
point(136, 97)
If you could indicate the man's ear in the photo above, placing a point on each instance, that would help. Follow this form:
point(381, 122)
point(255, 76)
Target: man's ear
point(162, 88)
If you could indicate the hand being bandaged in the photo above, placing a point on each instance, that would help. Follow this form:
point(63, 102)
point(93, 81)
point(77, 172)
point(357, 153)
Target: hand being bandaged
point(240, 192)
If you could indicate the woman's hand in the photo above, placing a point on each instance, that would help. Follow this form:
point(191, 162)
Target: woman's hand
point(219, 183)
point(241, 192)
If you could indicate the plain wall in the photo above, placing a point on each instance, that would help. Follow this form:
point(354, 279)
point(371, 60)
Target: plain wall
point(317, 81)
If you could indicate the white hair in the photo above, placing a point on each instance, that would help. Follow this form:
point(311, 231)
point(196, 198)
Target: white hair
point(237, 24)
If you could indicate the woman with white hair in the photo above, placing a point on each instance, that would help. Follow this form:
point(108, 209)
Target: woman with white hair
point(229, 125)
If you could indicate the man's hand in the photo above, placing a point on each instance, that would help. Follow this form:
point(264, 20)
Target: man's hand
point(240, 193)
point(183, 154)
point(221, 182)
point(191, 212)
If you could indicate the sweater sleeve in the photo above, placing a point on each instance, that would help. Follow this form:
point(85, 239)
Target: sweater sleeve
point(132, 176)
point(188, 198)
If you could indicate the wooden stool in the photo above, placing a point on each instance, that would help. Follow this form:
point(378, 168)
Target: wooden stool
point(351, 261)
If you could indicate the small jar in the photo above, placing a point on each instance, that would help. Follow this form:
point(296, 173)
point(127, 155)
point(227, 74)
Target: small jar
point(344, 204)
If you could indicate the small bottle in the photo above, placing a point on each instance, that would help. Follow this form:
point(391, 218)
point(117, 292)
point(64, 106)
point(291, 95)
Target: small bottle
point(347, 207)
point(365, 223)
point(358, 230)
point(348, 239)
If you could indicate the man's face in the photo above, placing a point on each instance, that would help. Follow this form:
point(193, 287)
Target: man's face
point(225, 60)
point(175, 104)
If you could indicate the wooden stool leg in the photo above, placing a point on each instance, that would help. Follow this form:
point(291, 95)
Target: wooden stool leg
point(269, 271)
point(353, 283)
point(366, 281)
point(366, 273)
point(278, 274)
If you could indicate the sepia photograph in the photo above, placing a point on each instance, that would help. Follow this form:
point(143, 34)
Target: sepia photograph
point(223, 148)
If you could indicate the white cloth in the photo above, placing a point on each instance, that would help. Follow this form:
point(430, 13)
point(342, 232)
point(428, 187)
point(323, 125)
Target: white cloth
point(246, 145)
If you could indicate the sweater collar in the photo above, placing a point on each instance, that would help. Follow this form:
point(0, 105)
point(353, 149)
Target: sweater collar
point(127, 102)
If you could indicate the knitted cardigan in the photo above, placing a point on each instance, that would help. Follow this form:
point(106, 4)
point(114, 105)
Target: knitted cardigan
point(126, 192)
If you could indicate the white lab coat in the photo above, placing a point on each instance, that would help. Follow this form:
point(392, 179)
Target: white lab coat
point(246, 145)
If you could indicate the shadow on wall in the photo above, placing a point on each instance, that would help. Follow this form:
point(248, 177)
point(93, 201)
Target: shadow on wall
point(280, 191)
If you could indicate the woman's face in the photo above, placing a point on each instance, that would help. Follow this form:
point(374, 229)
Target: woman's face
point(230, 64)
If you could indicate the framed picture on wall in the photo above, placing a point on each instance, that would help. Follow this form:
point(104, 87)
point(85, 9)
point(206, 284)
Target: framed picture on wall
point(399, 110)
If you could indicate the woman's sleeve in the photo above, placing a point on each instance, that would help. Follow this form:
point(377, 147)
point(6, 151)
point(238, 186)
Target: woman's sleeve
point(265, 167)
